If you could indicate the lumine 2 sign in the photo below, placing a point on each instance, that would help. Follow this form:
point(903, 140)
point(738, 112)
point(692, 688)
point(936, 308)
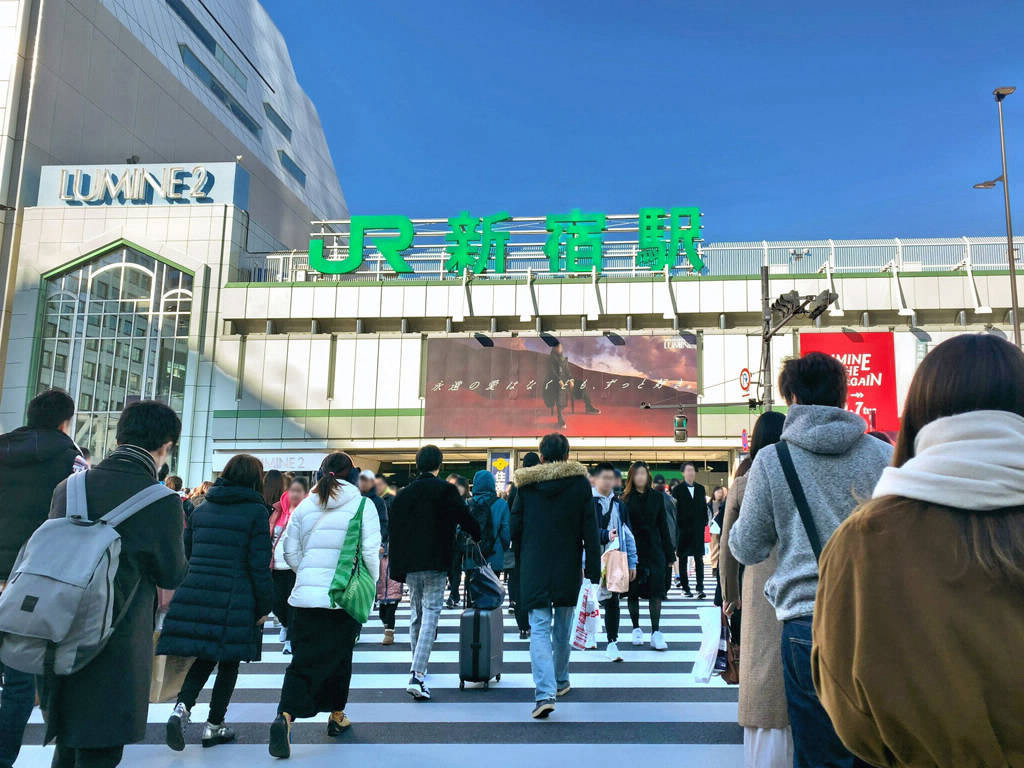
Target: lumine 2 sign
point(574, 242)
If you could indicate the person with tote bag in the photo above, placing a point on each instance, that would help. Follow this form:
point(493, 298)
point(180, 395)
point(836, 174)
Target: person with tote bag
point(331, 524)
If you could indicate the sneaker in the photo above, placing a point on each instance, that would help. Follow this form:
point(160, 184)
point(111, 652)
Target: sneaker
point(217, 734)
point(543, 709)
point(563, 690)
point(282, 637)
point(418, 689)
point(701, 596)
point(658, 642)
point(612, 652)
point(524, 634)
point(287, 648)
point(591, 644)
point(337, 724)
point(176, 727)
point(389, 637)
point(638, 637)
point(281, 737)
point(688, 593)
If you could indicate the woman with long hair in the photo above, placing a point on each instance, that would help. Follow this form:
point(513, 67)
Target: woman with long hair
point(919, 626)
point(197, 497)
point(322, 636)
point(283, 575)
point(217, 613)
point(273, 488)
point(646, 518)
point(767, 739)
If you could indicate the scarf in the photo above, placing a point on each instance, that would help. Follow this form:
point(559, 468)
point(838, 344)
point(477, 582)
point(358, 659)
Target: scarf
point(136, 455)
point(972, 461)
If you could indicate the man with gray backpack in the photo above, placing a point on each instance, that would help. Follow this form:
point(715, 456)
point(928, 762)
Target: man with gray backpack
point(33, 459)
point(96, 651)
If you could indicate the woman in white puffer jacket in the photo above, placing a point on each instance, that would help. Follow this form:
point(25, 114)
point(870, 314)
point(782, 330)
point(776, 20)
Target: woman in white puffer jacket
point(322, 638)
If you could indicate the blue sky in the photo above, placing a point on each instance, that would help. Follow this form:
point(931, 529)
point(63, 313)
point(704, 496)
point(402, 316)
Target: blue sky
point(873, 120)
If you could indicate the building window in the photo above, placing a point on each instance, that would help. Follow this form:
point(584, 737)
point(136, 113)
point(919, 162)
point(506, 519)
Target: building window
point(277, 121)
point(115, 330)
point(197, 29)
point(223, 95)
point(291, 167)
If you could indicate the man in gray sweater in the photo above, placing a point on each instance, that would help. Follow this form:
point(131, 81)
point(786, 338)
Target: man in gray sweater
point(838, 466)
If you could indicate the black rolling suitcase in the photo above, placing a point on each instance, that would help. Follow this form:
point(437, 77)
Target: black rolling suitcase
point(481, 646)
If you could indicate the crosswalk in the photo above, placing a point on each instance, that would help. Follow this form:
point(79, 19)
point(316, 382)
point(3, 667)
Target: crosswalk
point(646, 708)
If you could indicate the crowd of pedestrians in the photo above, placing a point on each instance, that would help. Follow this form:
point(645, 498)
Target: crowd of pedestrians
point(876, 594)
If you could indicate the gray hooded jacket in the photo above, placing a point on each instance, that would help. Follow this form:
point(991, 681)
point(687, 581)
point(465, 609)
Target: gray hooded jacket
point(838, 465)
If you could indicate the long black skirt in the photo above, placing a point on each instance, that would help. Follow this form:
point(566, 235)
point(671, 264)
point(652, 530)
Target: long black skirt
point(318, 678)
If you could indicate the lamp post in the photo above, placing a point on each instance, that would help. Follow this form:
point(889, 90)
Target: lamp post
point(1000, 94)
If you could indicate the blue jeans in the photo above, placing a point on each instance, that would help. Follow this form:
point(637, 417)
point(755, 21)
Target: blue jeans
point(16, 702)
point(815, 743)
point(549, 649)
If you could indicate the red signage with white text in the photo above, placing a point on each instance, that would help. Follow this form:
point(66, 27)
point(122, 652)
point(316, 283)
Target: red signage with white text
point(871, 362)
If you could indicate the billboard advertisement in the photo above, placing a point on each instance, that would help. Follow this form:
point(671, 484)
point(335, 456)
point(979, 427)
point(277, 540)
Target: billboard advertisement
point(585, 386)
point(871, 364)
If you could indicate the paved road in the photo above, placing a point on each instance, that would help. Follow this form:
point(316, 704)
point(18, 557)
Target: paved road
point(649, 702)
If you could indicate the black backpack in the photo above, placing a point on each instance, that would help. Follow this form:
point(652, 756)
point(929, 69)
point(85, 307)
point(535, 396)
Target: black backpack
point(488, 536)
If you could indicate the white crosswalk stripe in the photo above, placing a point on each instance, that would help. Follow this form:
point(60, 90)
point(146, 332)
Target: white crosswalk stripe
point(648, 702)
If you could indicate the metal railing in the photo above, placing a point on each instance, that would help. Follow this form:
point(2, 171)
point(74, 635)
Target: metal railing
point(619, 259)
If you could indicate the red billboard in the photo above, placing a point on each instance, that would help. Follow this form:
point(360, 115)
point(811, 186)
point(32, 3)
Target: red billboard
point(871, 363)
point(585, 386)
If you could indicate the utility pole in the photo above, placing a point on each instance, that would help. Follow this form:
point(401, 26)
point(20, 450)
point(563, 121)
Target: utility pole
point(1000, 94)
point(766, 339)
point(776, 315)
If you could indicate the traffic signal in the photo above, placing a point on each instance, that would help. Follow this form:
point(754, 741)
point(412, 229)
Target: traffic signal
point(680, 434)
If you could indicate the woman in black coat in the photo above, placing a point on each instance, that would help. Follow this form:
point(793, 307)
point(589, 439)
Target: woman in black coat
point(217, 613)
point(645, 509)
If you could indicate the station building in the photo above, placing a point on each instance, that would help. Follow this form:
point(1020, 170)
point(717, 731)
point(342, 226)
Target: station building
point(181, 235)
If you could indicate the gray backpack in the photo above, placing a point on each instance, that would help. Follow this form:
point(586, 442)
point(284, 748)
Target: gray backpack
point(57, 611)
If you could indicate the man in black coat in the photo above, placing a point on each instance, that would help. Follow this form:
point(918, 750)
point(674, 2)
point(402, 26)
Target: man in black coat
point(422, 536)
point(553, 524)
point(93, 713)
point(33, 459)
point(692, 516)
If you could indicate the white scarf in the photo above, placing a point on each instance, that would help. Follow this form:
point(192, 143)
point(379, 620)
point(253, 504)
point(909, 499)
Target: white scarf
point(972, 461)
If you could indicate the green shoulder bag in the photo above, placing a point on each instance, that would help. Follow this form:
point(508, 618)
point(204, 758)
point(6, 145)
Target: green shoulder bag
point(353, 588)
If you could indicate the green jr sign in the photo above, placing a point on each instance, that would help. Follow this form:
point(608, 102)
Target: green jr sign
point(574, 243)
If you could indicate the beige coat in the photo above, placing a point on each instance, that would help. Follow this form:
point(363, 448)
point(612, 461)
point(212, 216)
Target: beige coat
point(762, 691)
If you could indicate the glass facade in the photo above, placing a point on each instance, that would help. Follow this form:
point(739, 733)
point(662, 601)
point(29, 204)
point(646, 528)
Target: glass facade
point(113, 331)
point(292, 167)
point(217, 88)
point(197, 29)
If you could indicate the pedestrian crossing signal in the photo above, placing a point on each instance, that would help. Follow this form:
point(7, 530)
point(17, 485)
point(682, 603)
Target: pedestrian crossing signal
point(680, 434)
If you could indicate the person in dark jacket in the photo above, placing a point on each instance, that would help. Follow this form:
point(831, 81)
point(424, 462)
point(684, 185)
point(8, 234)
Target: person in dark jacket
point(422, 535)
point(217, 613)
point(485, 493)
point(530, 459)
point(458, 553)
point(33, 459)
point(553, 524)
point(389, 593)
point(645, 510)
point(94, 712)
point(692, 516)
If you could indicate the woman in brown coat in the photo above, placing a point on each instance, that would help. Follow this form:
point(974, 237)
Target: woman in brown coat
point(767, 741)
point(919, 626)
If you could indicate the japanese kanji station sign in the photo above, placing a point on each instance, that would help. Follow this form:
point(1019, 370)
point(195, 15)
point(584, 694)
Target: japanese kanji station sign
point(576, 241)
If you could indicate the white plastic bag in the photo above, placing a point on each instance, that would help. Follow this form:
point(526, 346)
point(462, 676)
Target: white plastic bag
point(587, 616)
point(711, 636)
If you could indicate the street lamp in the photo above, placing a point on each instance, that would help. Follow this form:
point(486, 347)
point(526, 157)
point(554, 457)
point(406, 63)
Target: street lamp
point(1000, 94)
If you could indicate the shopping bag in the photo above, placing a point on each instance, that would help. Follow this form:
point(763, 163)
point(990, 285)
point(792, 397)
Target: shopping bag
point(711, 635)
point(388, 590)
point(587, 616)
point(727, 658)
point(168, 675)
point(483, 585)
point(615, 569)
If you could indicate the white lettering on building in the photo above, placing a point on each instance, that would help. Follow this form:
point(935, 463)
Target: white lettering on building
point(134, 184)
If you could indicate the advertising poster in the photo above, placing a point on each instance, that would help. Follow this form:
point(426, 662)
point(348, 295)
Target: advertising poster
point(499, 464)
point(579, 385)
point(871, 364)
